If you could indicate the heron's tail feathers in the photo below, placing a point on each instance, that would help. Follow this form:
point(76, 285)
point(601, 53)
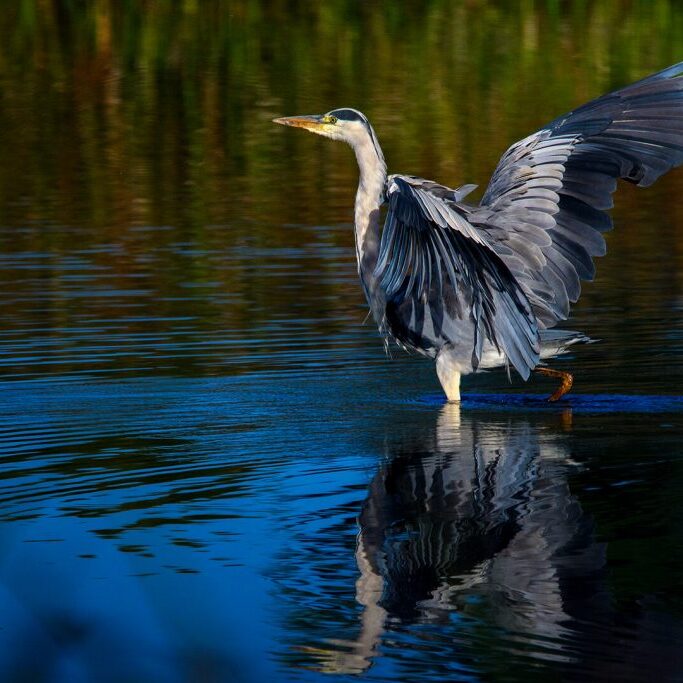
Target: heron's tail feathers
point(557, 342)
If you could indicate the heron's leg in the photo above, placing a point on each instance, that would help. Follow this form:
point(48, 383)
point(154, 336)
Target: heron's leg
point(449, 376)
point(566, 383)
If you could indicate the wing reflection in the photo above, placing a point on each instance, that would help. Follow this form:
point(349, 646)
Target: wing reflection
point(477, 519)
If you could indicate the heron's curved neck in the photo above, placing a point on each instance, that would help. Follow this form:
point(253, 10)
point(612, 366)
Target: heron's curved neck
point(369, 198)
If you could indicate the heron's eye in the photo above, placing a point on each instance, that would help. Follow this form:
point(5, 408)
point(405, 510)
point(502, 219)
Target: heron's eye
point(329, 119)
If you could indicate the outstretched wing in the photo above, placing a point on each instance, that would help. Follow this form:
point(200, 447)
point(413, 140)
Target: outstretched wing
point(442, 281)
point(543, 211)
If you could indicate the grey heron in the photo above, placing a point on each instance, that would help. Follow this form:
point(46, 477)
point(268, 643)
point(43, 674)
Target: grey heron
point(477, 287)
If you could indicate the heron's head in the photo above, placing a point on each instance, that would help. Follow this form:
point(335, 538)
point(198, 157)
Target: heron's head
point(346, 124)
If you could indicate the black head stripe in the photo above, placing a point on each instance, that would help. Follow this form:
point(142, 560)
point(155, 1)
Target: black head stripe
point(348, 115)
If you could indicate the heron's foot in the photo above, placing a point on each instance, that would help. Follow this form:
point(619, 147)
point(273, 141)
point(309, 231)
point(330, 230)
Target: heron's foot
point(566, 381)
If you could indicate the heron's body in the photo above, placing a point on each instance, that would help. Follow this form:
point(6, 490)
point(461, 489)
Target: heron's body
point(479, 286)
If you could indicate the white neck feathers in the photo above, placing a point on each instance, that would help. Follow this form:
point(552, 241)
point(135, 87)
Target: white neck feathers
point(369, 198)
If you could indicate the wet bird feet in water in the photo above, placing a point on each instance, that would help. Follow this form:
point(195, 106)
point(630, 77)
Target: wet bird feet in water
point(565, 385)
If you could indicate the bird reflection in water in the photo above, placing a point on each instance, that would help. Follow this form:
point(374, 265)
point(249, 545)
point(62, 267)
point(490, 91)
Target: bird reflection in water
point(477, 519)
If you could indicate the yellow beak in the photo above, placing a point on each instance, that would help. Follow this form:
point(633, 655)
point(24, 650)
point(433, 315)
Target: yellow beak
point(309, 122)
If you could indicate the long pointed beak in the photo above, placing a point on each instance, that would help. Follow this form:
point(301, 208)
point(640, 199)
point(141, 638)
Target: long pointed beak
point(309, 122)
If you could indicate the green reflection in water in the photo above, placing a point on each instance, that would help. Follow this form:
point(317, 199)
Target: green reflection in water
point(141, 132)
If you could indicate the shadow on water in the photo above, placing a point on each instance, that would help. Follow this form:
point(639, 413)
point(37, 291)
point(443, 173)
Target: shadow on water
point(473, 555)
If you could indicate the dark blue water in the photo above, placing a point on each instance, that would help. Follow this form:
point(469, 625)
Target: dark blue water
point(209, 469)
point(271, 526)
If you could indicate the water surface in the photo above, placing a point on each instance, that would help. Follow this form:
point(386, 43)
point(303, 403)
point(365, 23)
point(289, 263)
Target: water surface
point(210, 470)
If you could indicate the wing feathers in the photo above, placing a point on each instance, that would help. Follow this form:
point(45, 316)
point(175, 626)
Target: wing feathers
point(560, 180)
point(442, 279)
point(513, 264)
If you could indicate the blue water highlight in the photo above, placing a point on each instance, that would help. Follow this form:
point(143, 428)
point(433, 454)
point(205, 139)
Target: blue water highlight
point(579, 403)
